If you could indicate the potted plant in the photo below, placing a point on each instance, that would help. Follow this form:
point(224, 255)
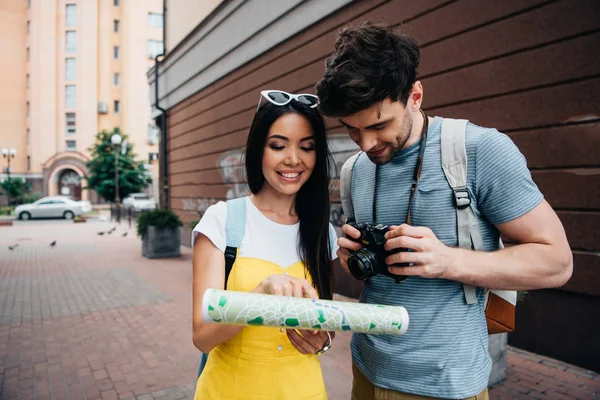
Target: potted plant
point(160, 231)
point(79, 218)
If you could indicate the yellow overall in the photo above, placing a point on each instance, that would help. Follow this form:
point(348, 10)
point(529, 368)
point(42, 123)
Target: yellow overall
point(260, 363)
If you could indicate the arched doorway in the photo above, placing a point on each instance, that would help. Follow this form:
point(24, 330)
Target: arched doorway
point(69, 184)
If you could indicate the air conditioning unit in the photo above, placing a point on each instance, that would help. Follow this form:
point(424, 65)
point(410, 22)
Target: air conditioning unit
point(102, 107)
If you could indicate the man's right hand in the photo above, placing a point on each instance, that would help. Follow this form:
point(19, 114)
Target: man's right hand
point(347, 245)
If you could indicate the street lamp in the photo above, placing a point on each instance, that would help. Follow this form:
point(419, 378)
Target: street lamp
point(116, 142)
point(8, 154)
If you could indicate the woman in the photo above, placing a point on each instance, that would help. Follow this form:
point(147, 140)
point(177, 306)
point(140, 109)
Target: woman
point(287, 250)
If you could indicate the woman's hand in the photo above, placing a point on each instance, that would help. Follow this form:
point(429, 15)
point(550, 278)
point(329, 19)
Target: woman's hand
point(307, 341)
point(286, 285)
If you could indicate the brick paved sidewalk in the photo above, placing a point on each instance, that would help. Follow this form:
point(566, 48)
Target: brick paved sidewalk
point(90, 318)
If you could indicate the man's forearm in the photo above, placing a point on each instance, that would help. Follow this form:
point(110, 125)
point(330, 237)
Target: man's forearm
point(521, 267)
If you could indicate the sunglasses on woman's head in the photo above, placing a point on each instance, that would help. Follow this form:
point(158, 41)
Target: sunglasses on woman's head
point(281, 98)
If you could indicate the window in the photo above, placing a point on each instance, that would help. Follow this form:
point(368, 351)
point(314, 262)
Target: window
point(116, 52)
point(28, 163)
point(71, 15)
point(28, 3)
point(152, 134)
point(70, 69)
point(70, 42)
point(116, 26)
point(117, 3)
point(117, 106)
point(155, 47)
point(116, 79)
point(28, 54)
point(28, 135)
point(71, 145)
point(70, 127)
point(28, 27)
point(155, 20)
point(70, 96)
point(27, 81)
point(28, 109)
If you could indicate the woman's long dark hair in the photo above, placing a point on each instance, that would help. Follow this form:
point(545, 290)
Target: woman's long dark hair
point(312, 200)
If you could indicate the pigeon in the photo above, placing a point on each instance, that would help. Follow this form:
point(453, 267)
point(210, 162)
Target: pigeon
point(112, 230)
point(100, 233)
point(125, 234)
point(14, 246)
point(53, 243)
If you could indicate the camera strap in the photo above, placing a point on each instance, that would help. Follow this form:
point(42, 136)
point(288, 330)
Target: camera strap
point(416, 174)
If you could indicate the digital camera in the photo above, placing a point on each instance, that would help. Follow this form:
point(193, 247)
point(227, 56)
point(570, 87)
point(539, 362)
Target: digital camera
point(369, 260)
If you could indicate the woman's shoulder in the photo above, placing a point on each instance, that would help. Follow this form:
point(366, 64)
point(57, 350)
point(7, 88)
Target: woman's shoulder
point(212, 224)
point(219, 210)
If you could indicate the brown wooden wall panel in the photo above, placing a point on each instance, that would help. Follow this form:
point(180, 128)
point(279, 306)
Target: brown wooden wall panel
point(586, 274)
point(552, 22)
point(209, 176)
point(499, 76)
point(211, 145)
point(560, 325)
point(231, 124)
point(463, 15)
point(199, 163)
point(199, 192)
point(565, 146)
point(582, 228)
point(536, 108)
point(575, 189)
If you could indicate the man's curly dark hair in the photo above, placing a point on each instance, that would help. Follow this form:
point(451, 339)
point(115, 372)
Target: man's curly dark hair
point(370, 62)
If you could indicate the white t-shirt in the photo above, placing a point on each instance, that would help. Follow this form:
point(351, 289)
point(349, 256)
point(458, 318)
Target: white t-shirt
point(264, 239)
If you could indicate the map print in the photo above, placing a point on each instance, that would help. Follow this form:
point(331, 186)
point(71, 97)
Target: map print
point(251, 309)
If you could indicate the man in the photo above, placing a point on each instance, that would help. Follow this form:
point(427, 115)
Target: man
point(370, 85)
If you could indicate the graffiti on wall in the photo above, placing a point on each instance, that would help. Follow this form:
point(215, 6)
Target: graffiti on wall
point(231, 166)
point(342, 148)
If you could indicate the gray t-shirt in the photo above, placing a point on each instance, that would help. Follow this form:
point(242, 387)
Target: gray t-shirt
point(445, 350)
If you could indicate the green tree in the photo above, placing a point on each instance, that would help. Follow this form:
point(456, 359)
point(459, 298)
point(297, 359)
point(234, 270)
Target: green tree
point(133, 177)
point(16, 188)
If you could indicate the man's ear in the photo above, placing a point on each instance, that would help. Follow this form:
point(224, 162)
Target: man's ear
point(416, 96)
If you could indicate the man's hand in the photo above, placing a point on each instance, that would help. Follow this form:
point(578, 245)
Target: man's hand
point(347, 245)
point(430, 258)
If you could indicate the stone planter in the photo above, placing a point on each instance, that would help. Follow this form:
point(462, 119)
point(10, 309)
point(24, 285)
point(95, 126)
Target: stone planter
point(497, 350)
point(161, 243)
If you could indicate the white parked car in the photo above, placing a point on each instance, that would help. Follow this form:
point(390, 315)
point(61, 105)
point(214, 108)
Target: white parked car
point(139, 202)
point(53, 207)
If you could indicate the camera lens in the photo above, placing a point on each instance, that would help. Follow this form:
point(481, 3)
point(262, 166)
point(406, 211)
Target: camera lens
point(361, 262)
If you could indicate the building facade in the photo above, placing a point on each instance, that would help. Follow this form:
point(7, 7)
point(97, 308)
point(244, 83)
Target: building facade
point(77, 67)
point(528, 68)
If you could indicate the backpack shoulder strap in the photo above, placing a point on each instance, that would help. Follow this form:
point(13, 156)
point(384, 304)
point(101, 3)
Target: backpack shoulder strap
point(235, 227)
point(346, 187)
point(454, 164)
